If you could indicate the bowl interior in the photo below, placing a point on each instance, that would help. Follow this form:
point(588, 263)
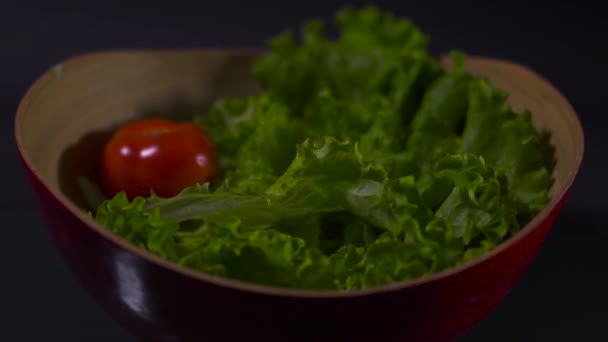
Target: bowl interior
point(68, 114)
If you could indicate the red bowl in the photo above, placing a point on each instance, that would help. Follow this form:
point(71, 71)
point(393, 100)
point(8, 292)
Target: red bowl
point(64, 120)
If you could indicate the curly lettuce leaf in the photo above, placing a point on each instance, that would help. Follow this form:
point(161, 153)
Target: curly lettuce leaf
point(363, 163)
point(321, 179)
point(255, 137)
point(435, 129)
point(381, 233)
point(223, 249)
point(364, 86)
point(509, 142)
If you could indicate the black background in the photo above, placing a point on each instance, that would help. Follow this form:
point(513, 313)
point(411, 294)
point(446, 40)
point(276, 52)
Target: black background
point(562, 296)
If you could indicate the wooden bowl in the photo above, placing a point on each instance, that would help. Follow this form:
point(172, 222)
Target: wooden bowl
point(65, 118)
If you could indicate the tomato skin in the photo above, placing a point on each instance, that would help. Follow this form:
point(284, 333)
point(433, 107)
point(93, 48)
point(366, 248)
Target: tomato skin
point(158, 155)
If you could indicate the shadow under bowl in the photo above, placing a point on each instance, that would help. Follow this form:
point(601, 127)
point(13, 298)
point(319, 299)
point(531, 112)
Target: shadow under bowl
point(65, 119)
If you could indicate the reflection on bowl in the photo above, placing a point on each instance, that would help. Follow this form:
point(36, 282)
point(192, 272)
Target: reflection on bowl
point(65, 119)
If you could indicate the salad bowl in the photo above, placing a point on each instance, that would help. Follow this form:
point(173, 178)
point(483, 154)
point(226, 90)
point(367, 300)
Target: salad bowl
point(68, 114)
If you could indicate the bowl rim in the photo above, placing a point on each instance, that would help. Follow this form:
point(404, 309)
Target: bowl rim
point(239, 285)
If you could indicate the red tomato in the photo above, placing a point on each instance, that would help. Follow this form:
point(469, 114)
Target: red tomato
point(157, 154)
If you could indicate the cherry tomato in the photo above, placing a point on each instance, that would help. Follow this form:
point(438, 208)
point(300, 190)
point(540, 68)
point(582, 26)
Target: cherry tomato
point(158, 155)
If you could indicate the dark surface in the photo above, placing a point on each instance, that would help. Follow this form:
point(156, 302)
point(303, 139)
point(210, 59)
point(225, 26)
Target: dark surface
point(561, 297)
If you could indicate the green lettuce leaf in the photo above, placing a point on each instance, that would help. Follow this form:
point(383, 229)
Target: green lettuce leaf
point(363, 163)
point(364, 86)
point(509, 142)
point(255, 137)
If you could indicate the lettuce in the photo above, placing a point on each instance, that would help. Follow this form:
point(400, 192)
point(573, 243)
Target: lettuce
point(362, 163)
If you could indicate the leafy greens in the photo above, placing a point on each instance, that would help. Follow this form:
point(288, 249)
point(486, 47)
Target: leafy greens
point(362, 163)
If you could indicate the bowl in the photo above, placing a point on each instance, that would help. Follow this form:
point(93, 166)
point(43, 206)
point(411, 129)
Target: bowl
point(65, 118)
